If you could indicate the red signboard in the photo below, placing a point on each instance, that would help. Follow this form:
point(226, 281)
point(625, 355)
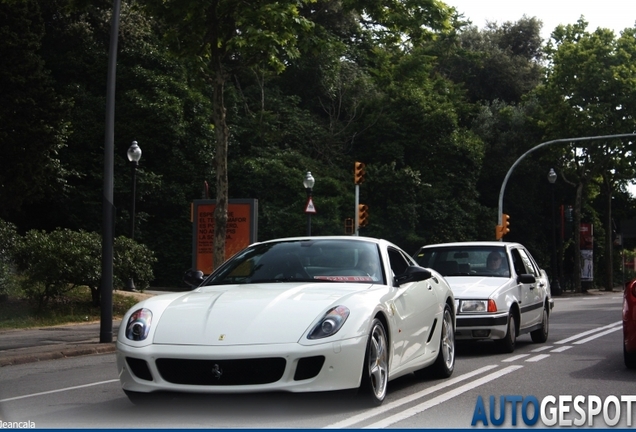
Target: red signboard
point(587, 236)
point(240, 233)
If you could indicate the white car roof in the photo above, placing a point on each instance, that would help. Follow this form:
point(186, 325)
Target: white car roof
point(343, 237)
point(473, 243)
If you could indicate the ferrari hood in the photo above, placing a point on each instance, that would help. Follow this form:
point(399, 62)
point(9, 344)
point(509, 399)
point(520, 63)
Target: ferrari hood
point(249, 314)
point(475, 287)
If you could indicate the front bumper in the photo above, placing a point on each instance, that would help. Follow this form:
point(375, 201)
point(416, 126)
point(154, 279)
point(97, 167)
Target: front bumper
point(209, 369)
point(629, 335)
point(486, 326)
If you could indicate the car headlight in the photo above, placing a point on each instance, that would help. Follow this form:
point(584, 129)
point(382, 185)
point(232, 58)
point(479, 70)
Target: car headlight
point(330, 323)
point(138, 325)
point(478, 306)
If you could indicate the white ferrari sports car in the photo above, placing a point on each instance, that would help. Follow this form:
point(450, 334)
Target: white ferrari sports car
point(297, 314)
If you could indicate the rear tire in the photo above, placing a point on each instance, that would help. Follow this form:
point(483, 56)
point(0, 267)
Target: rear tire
point(375, 372)
point(445, 362)
point(507, 344)
point(540, 335)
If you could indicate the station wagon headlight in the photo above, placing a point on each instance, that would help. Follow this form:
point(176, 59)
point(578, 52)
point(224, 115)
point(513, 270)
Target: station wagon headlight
point(330, 323)
point(138, 325)
point(478, 306)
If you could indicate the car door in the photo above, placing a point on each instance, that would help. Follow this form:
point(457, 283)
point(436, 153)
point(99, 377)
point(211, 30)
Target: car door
point(415, 307)
point(530, 295)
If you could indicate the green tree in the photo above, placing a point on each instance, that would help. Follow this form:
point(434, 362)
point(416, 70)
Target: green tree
point(500, 62)
point(33, 117)
point(216, 36)
point(589, 91)
point(157, 105)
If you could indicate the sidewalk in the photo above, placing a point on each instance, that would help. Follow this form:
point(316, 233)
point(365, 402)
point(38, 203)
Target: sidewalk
point(49, 343)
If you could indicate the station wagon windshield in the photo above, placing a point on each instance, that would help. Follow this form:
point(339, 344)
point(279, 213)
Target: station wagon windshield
point(466, 260)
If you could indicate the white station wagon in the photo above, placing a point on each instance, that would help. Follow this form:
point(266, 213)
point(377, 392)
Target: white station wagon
point(500, 291)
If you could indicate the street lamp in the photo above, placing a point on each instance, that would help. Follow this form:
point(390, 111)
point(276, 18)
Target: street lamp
point(134, 154)
point(308, 183)
point(552, 176)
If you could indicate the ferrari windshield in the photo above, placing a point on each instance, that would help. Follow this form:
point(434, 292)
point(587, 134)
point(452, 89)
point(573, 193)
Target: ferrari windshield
point(302, 260)
point(465, 260)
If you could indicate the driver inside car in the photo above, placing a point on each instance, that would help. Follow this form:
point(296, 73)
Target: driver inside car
point(494, 264)
point(368, 263)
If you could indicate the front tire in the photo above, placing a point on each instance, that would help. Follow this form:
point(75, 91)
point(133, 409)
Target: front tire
point(507, 344)
point(375, 373)
point(540, 335)
point(629, 358)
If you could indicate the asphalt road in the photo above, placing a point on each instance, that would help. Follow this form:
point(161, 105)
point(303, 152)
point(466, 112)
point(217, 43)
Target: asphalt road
point(583, 357)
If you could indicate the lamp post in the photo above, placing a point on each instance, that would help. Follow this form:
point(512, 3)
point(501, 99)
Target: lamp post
point(552, 176)
point(134, 154)
point(308, 183)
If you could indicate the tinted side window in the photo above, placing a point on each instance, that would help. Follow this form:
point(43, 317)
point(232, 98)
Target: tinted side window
point(398, 262)
point(517, 262)
point(527, 262)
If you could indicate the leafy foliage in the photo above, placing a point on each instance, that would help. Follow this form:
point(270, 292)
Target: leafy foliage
point(437, 110)
point(33, 116)
point(53, 264)
point(8, 240)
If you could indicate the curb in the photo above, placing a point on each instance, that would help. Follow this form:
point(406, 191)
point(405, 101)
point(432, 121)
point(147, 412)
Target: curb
point(588, 293)
point(54, 353)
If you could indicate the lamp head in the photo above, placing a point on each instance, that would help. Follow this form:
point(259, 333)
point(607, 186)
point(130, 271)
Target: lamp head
point(309, 181)
point(134, 152)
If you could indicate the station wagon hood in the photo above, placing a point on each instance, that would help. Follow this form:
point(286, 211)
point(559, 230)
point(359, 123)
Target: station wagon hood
point(249, 314)
point(476, 287)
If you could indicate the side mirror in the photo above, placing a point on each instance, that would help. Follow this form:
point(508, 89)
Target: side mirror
point(526, 278)
point(193, 277)
point(413, 274)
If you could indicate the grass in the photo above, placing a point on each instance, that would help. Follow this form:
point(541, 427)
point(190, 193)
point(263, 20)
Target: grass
point(16, 312)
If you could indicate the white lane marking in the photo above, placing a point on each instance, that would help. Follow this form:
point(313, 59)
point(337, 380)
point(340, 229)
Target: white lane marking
point(538, 358)
point(386, 407)
point(513, 358)
point(580, 335)
point(59, 390)
point(543, 348)
point(561, 349)
point(441, 398)
point(598, 335)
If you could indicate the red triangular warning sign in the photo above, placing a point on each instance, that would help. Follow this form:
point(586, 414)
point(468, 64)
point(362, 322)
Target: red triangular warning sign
point(309, 208)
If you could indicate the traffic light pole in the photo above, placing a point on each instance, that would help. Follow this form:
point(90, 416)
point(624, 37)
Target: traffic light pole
point(356, 231)
point(514, 165)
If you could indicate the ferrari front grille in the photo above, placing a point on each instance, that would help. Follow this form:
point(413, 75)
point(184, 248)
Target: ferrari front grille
point(221, 372)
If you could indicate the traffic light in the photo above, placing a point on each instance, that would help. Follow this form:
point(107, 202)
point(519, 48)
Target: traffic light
point(349, 226)
point(504, 228)
point(363, 215)
point(358, 173)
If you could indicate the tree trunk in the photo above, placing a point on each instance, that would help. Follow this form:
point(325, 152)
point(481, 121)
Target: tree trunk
point(576, 277)
point(220, 166)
